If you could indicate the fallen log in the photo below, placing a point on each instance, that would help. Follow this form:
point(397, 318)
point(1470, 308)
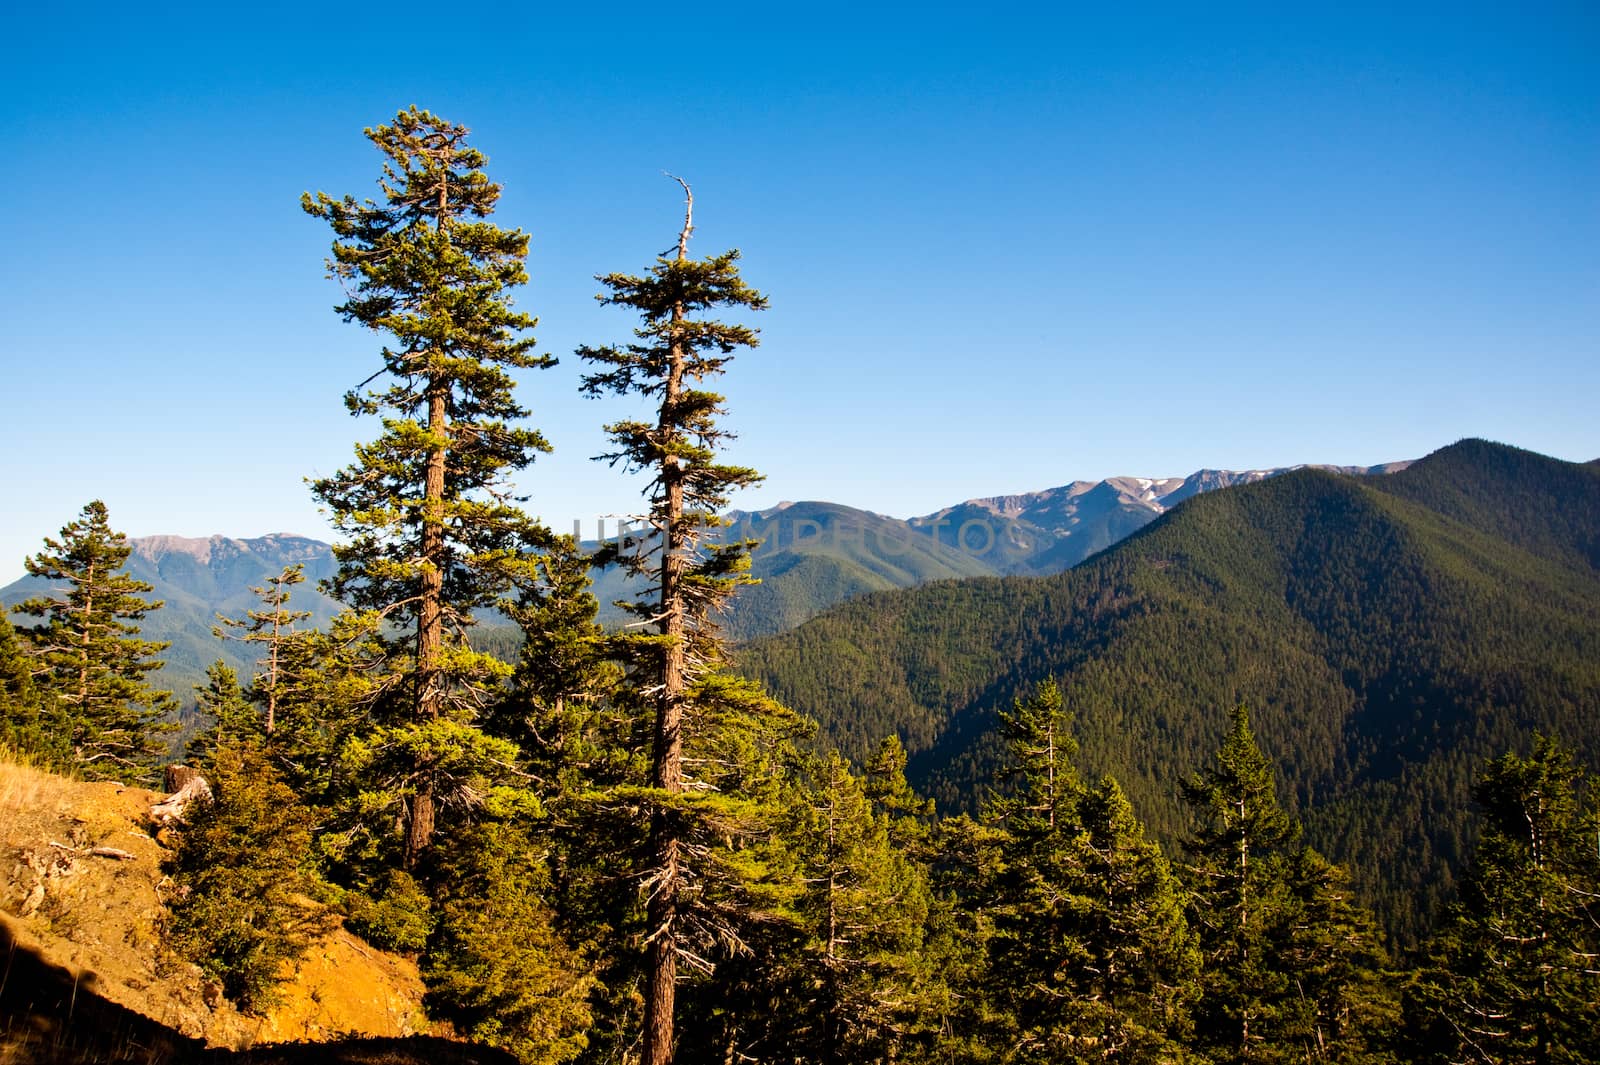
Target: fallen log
point(95, 852)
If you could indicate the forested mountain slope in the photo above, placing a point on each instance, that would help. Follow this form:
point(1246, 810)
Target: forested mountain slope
point(810, 556)
point(1546, 507)
point(1390, 634)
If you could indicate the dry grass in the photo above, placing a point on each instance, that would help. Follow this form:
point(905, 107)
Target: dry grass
point(25, 787)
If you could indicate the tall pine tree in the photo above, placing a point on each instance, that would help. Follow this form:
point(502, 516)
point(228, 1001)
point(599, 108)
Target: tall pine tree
point(1514, 977)
point(688, 576)
point(90, 658)
point(1041, 802)
point(1128, 995)
point(1346, 1007)
point(273, 627)
point(1091, 954)
point(433, 527)
point(865, 908)
point(1236, 876)
point(1292, 967)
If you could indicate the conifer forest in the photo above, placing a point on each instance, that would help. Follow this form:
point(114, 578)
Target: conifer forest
point(1299, 773)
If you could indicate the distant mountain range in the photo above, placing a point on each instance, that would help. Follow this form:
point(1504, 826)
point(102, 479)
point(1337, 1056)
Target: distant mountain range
point(199, 579)
point(1391, 634)
point(811, 556)
point(814, 555)
point(1049, 531)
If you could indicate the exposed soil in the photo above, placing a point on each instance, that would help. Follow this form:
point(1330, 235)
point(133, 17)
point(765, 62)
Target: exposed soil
point(82, 930)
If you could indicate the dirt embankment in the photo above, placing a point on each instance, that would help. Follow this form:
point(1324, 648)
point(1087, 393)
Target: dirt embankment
point(81, 895)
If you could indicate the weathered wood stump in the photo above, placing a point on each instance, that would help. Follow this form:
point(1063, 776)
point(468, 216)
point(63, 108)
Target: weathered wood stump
point(178, 776)
point(173, 808)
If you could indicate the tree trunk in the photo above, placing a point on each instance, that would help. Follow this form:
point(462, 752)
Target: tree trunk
point(272, 656)
point(661, 994)
point(419, 828)
point(430, 613)
point(83, 645)
point(668, 776)
point(430, 620)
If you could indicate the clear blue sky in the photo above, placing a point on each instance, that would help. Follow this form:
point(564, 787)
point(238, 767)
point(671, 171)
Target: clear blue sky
point(1004, 251)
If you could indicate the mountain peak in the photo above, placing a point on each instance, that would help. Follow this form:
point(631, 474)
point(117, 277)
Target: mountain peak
point(204, 550)
point(155, 547)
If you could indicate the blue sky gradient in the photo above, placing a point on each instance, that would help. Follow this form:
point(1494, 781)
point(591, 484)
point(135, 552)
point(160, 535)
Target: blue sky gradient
point(1004, 251)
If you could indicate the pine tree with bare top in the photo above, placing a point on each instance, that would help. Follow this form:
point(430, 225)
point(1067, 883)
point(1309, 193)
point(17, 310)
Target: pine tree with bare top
point(688, 574)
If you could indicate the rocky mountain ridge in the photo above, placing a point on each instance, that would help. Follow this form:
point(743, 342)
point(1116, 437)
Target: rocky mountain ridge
point(1056, 528)
point(288, 546)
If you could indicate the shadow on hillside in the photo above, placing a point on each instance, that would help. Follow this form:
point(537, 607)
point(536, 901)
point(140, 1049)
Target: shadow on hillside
point(49, 1018)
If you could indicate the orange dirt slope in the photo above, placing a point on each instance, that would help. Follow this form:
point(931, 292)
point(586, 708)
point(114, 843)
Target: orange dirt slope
point(99, 918)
